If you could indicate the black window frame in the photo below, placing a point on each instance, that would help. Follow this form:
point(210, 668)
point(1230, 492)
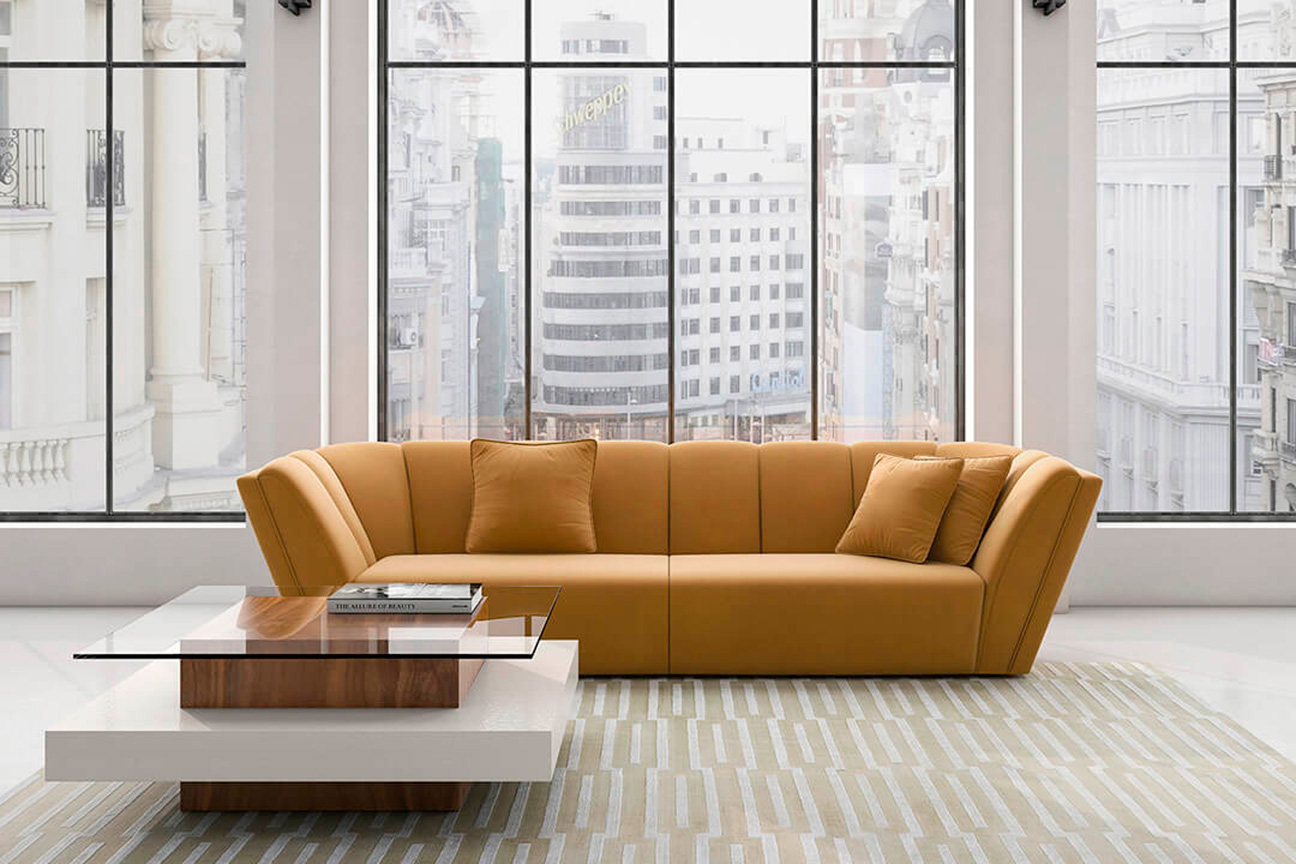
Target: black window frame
point(815, 65)
point(107, 66)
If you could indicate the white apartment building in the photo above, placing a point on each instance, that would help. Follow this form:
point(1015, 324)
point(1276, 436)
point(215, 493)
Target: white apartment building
point(742, 285)
point(1269, 274)
point(600, 293)
point(178, 240)
point(1163, 259)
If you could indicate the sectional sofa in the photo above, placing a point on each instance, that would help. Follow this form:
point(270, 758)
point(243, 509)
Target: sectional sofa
point(713, 557)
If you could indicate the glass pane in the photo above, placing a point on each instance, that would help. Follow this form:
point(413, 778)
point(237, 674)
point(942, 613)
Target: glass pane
point(265, 623)
point(1160, 30)
point(53, 369)
point(175, 32)
point(1163, 287)
point(1266, 434)
point(600, 284)
point(581, 31)
point(910, 30)
point(431, 30)
point(1264, 31)
point(179, 286)
point(742, 250)
point(780, 32)
point(52, 30)
point(454, 328)
point(887, 235)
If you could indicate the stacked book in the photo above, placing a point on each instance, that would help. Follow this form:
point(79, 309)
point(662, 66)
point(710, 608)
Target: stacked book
point(407, 598)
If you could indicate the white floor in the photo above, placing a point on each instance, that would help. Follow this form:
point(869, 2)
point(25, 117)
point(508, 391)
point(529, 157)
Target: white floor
point(1241, 661)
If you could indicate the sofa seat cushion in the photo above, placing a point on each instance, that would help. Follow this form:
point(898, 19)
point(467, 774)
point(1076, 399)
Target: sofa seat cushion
point(616, 605)
point(821, 614)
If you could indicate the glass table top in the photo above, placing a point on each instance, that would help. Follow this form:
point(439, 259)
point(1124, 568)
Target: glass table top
point(222, 621)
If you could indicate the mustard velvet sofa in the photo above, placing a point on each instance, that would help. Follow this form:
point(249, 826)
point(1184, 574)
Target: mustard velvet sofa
point(714, 557)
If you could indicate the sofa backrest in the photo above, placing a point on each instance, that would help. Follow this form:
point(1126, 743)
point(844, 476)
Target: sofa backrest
point(374, 477)
point(714, 497)
point(696, 497)
point(805, 495)
point(417, 497)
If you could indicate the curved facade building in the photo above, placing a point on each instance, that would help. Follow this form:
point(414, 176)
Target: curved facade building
point(600, 296)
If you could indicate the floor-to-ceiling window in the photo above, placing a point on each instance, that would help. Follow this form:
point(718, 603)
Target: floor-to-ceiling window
point(673, 221)
point(121, 259)
point(1196, 264)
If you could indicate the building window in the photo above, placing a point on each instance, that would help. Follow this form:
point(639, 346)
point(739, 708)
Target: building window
point(608, 159)
point(1203, 339)
point(6, 380)
point(170, 443)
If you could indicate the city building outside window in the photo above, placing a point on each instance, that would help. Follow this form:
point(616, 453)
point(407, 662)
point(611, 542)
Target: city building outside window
point(122, 379)
point(882, 141)
point(1194, 290)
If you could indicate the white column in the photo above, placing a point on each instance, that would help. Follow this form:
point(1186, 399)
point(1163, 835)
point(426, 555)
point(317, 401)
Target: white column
point(186, 427)
point(218, 336)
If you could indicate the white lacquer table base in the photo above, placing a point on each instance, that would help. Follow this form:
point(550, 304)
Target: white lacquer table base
point(509, 728)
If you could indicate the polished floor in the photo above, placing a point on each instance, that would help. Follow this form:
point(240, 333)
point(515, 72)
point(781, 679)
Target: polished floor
point(1239, 661)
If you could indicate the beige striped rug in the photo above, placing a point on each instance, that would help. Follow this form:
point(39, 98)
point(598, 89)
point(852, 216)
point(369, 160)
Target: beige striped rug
point(1075, 762)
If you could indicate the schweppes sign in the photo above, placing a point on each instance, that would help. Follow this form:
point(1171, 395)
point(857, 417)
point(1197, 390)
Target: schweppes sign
point(593, 109)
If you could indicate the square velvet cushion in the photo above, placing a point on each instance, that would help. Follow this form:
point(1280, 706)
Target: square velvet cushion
point(532, 497)
point(902, 508)
point(969, 508)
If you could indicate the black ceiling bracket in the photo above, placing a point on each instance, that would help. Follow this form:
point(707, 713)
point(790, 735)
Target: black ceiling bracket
point(296, 6)
point(1047, 6)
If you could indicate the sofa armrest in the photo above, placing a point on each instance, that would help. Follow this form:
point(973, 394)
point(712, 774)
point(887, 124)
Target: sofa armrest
point(1025, 557)
point(303, 535)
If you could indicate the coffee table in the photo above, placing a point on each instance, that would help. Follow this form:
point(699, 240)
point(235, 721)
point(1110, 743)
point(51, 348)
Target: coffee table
point(257, 701)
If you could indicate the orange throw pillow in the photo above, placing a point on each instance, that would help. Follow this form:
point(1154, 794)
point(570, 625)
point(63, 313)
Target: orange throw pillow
point(532, 497)
point(969, 509)
point(901, 508)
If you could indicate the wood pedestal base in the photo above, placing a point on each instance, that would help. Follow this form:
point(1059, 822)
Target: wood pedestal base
point(326, 682)
point(204, 797)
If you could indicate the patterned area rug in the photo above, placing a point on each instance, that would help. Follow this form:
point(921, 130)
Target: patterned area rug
point(1075, 762)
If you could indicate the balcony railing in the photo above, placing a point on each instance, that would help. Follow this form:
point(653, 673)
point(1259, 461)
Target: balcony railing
point(97, 168)
point(1273, 168)
point(22, 168)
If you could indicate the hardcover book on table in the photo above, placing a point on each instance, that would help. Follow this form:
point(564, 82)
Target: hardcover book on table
point(408, 598)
